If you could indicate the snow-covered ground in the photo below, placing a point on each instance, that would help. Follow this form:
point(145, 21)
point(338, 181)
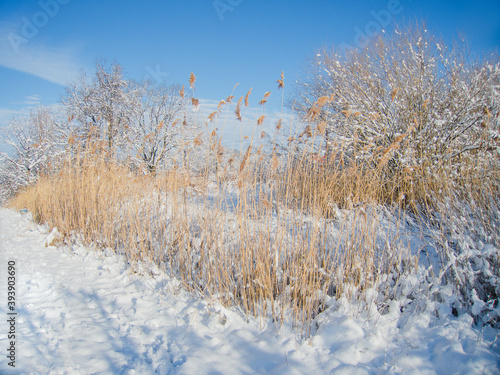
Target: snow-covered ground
point(81, 311)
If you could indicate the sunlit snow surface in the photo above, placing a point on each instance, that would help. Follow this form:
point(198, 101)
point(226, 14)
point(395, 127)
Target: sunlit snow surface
point(82, 311)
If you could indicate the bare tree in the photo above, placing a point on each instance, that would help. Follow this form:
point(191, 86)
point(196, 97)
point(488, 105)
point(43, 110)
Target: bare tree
point(159, 124)
point(102, 106)
point(38, 142)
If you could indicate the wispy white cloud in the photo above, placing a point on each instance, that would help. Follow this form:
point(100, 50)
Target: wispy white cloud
point(34, 97)
point(54, 64)
point(30, 100)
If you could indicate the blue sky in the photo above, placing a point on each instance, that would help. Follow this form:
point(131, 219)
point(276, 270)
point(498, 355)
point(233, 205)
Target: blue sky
point(45, 44)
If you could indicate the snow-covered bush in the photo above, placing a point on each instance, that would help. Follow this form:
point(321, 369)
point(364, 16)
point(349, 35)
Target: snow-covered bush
point(407, 101)
point(420, 121)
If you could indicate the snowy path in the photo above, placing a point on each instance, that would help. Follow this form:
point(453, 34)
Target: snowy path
point(83, 312)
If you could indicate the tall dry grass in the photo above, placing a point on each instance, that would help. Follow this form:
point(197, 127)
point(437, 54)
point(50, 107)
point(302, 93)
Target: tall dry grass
point(274, 234)
point(239, 237)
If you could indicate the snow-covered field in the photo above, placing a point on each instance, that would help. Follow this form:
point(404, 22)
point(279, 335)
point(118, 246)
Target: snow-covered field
point(81, 311)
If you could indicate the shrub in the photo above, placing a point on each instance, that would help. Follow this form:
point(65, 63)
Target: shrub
point(417, 123)
point(408, 102)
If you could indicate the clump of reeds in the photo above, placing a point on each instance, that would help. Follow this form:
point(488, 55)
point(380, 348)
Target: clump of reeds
point(273, 233)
